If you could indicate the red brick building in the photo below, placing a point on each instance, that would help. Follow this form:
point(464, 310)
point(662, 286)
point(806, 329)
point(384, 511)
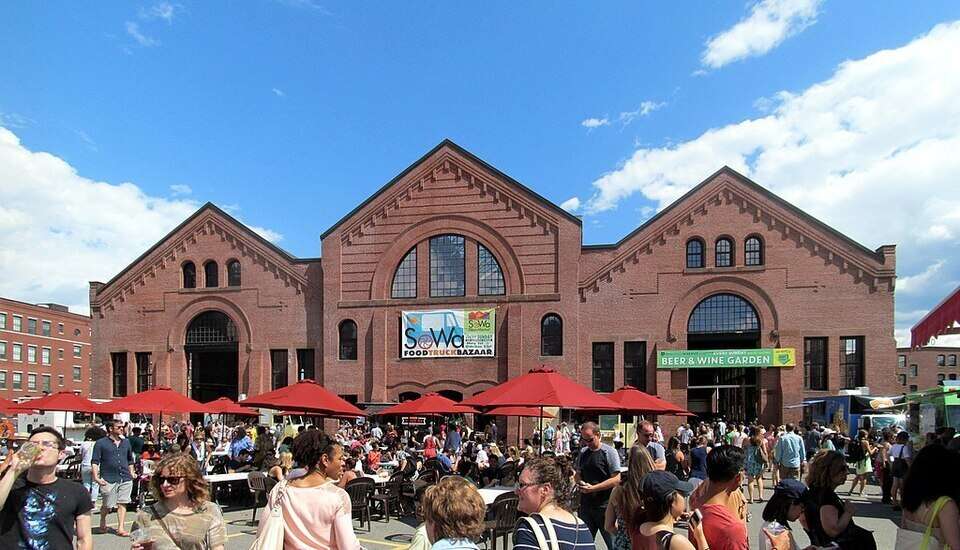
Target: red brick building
point(214, 309)
point(43, 349)
point(923, 368)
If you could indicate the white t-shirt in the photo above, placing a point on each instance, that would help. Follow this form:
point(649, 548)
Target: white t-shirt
point(86, 451)
point(897, 449)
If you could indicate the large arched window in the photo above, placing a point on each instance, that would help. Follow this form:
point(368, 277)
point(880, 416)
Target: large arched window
point(189, 275)
point(723, 252)
point(723, 313)
point(348, 340)
point(405, 277)
point(489, 275)
point(694, 253)
point(551, 335)
point(211, 275)
point(233, 273)
point(753, 251)
point(447, 266)
point(211, 328)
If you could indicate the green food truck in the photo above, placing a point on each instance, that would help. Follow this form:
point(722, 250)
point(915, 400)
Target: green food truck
point(930, 409)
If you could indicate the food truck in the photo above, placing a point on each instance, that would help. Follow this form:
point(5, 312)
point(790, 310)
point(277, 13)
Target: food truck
point(936, 407)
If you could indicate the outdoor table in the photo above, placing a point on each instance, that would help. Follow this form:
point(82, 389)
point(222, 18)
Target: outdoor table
point(490, 494)
point(379, 480)
point(213, 479)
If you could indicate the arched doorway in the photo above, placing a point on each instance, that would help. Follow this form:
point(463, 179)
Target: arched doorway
point(723, 321)
point(212, 357)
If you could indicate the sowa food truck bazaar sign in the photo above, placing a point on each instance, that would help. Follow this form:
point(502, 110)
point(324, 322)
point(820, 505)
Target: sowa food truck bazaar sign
point(726, 358)
point(448, 333)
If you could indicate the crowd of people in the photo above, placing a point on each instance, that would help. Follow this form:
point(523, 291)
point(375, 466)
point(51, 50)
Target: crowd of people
point(688, 489)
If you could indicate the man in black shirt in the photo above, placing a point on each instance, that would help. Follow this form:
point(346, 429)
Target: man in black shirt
point(39, 510)
point(598, 472)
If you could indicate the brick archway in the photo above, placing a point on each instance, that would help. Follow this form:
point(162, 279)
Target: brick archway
point(756, 296)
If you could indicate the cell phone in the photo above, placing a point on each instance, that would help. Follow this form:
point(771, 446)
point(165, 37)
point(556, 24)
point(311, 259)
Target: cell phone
point(695, 517)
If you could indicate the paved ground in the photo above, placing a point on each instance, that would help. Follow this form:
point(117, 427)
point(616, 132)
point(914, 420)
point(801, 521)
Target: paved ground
point(396, 534)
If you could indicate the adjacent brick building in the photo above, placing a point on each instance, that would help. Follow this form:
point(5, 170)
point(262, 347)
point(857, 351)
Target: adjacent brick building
point(43, 349)
point(215, 309)
point(923, 368)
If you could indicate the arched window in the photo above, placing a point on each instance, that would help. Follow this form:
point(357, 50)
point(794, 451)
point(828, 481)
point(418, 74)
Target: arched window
point(941, 360)
point(694, 253)
point(447, 266)
point(489, 275)
point(551, 335)
point(348, 340)
point(211, 328)
point(951, 360)
point(405, 278)
point(724, 252)
point(753, 251)
point(211, 274)
point(233, 273)
point(189, 275)
point(723, 313)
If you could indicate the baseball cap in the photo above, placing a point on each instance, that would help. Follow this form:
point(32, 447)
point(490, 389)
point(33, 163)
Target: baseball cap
point(659, 484)
point(791, 488)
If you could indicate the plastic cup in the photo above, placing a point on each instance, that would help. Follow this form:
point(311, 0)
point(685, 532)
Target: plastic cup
point(29, 452)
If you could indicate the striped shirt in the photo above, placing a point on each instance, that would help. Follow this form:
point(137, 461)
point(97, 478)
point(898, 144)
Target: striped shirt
point(570, 536)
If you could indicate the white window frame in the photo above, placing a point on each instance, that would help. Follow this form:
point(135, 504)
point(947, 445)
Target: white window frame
point(60, 378)
point(17, 347)
point(77, 350)
point(17, 323)
point(3, 320)
point(36, 322)
point(3, 379)
point(46, 383)
point(13, 378)
point(3, 356)
point(74, 372)
point(32, 376)
point(59, 354)
point(60, 328)
point(49, 355)
point(32, 347)
point(42, 321)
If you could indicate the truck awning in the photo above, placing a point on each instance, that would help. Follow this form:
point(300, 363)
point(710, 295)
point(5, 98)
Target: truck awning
point(938, 321)
point(804, 404)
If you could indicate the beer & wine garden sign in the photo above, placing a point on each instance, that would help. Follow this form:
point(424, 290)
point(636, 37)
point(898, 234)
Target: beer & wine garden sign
point(726, 358)
point(442, 333)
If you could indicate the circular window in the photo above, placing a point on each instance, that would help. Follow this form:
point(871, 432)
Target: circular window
point(76, 332)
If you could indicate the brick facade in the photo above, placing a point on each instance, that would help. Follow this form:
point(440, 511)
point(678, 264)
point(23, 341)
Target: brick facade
point(813, 282)
point(921, 369)
point(53, 346)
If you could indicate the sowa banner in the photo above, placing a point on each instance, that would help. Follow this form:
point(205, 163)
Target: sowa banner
point(726, 358)
point(448, 333)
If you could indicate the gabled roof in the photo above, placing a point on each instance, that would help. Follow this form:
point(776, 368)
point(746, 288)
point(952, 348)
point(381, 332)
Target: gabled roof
point(469, 156)
point(208, 207)
point(754, 186)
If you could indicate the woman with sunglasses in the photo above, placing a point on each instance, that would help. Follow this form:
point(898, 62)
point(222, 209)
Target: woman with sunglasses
point(546, 492)
point(183, 516)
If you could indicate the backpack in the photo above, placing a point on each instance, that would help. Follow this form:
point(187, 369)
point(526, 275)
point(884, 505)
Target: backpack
point(854, 450)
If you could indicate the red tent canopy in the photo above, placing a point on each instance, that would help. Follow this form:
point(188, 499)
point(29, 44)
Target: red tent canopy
point(632, 400)
point(938, 321)
point(158, 400)
point(305, 395)
point(431, 403)
point(532, 412)
point(9, 407)
point(541, 388)
point(225, 405)
point(63, 401)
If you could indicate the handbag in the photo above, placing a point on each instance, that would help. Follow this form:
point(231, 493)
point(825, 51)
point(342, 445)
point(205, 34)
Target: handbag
point(272, 533)
point(915, 540)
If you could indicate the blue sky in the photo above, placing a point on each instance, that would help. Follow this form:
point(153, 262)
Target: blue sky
point(289, 113)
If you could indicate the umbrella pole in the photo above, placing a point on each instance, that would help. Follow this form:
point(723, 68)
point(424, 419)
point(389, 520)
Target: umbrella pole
point(541, 430)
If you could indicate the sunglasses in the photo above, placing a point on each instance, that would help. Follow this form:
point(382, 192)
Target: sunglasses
point(522, 485)
point(171, 480)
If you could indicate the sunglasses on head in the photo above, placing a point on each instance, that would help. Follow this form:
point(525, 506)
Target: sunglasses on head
point(171, 480)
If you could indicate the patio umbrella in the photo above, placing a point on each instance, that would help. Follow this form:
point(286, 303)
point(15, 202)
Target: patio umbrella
point(225, 405)
point(305, 395)
point(541, 387)
point(62, 401)
point(160, 399)
point(634, 401)
point(519, 412)
point(9, 408)
point(429, 404)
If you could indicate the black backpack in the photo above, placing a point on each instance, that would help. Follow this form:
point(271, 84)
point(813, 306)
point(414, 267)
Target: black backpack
point(854, 450)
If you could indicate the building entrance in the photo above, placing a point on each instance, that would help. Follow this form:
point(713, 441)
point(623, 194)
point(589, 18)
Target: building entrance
point(212, 357)
point(723, 321)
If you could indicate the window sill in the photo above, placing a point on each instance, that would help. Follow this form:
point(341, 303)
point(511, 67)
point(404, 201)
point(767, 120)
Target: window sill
point(731, 269)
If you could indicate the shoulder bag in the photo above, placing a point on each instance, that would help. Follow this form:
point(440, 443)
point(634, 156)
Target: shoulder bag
point(915, 540)
point(271, 536)
point(553, 543)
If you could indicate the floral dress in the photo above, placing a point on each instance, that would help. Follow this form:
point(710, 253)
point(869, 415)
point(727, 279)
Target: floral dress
point(754, 462)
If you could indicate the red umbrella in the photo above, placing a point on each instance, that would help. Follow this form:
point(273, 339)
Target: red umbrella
point(305, 395)
point(10, 408)
point(532, 412)
point(225, 405)
point(63, 401)
point(160, 399)
point(429, 404)
point(541, 388)
point(632, 400)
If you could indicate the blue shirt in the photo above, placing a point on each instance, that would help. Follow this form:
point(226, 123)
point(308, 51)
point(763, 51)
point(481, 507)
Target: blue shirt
point(238, 445)
point(445, 463)
point(453, 441)
point(790, 450)
point(114, 459)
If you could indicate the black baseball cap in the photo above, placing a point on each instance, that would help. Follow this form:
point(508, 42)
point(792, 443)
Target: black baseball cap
point(659, 484)
point(790, 488)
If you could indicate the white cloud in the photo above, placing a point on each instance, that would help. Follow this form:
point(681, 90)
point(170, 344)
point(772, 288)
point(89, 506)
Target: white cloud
point(913, 284)
point(133, 29)
point(180, 189)
point(872, 151)
point(592, 123)
point(644, 109)
point(161, 10)
point(571, 205)
point(278, 92)
point(769, 23)
point(268, 234)
point(96, 229)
